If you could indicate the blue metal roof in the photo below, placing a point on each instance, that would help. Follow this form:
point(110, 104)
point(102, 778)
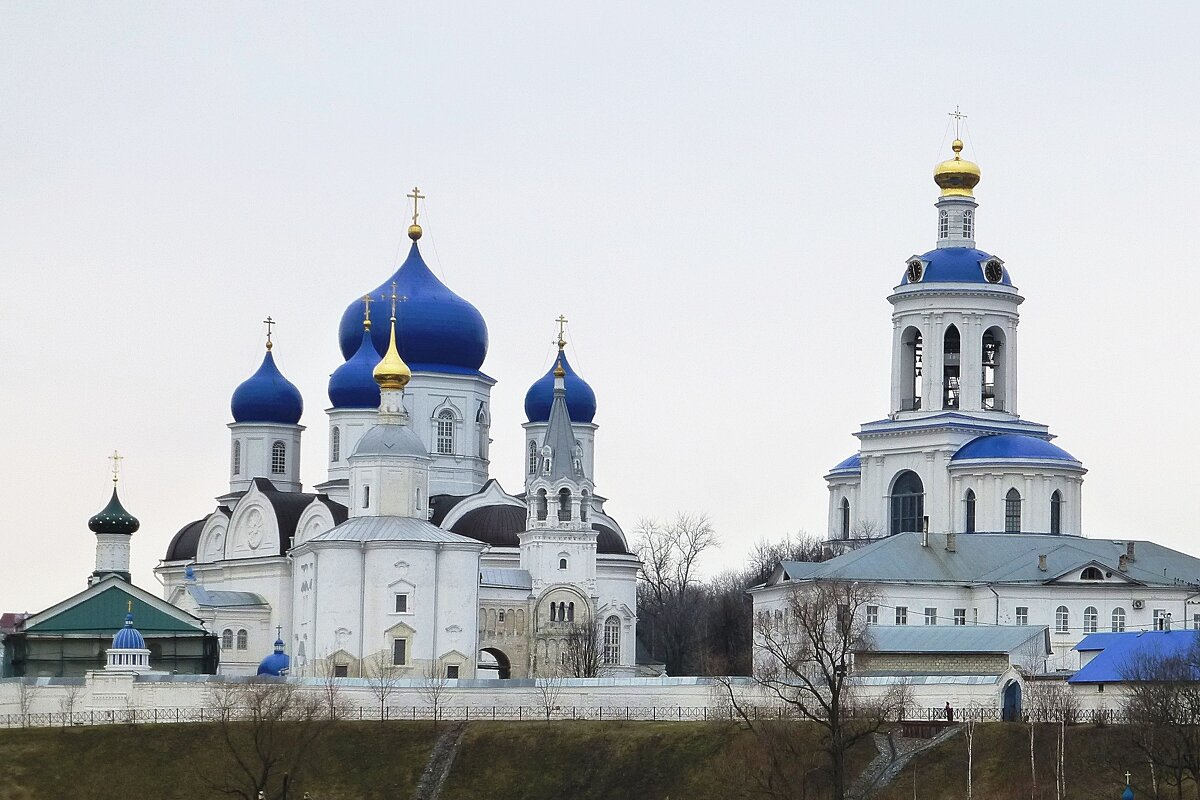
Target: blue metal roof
point(436, 330)
point(1121, 650)
point(1012, 445)
point(276, 663)
point(352, 385)
point(267, 396)
point(851, 464)
point(956, 265)
point(581, 400)
point(129, 637)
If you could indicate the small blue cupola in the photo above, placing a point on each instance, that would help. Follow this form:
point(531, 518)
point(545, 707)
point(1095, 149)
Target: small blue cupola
point(352, 385)
point(267, 396)
point(276, 663)
point(581, 400)
point(128, 637)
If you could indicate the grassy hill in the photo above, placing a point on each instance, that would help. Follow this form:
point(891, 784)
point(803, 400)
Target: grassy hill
point(552, 761)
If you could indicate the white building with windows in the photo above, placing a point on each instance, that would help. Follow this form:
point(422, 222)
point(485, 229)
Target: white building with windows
point(955, 508)
point(408, 554)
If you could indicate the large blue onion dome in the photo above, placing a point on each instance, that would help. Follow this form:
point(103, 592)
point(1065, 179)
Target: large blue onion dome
point(129, 637)
point(113, 518)
point(436, 330)
point(1012, 446)
point(352, 385)
point(276, 663)
point(581, 400)
point(956, 265)
point(267, 396)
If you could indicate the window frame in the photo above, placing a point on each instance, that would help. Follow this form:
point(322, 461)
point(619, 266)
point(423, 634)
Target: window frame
point(237, 457)
point(960, 616)
point(931, 615)
point(1012, 510)
point(1062, 620)
point(402, 599)
point(1091, 619)
point(872, 615)
point(611, 654)
point(1118, 620)
point(243, 639)
point(227, 639)
point(279, 457)
point(335, 445)
point(443, 432)
point(901, 615)
point(1022, 615)
point(400, 646)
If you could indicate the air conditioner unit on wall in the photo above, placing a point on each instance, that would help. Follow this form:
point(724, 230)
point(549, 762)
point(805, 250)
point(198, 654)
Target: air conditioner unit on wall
point(1138, 605)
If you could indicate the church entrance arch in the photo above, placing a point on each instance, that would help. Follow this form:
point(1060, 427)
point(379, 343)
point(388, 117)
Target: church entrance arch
point(493, 663)
point(1010, 709)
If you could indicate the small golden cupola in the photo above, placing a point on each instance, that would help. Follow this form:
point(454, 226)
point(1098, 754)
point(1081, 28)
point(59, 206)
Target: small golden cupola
point(957, 177)
point(392, 373)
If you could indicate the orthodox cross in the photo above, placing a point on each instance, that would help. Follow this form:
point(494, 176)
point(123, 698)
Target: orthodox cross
point(270, 323)
point(396, 298)
point(116, 459)
point(367, 310)
point(562, 325)
point(278, 631)
point(129, 607)
point(958, 118)
point(1127, 773)
point(415, 195)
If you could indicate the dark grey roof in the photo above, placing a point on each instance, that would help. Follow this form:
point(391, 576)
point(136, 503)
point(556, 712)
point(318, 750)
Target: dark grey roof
point(506, 578)
point(388, 529)
point(288, 507)
point(497, 525)
point(608, 541)
point(995, 558)
point(957, 638)
point(443, 504)
point(184, 544)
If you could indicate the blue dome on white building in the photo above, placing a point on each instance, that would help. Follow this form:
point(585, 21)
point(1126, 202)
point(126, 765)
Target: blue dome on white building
point(1012, 446)
point(581, 400)
point(436, 330)
point(352, 385)
point(129, 637)
point(267, 396)
point(956, 265)
point(276, 663)
point(851, 464)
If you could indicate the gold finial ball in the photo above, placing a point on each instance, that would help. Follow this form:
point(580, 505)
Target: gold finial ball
point(957, 146)
point(414, 231)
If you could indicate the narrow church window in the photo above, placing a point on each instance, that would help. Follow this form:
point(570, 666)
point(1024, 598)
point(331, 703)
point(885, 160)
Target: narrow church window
point(541, 504)
point(1062, 620)
point(562, 563)
point(968, 224)
point(445, 432)
point(562, 612)
point(366, 497)
point(553, 612)
point(242, 640)
point(951, 350)
point(237, 458)
point(335, 444)
point(1012, 511)
point(943, 224)
point(570, 612)
point(1118, 620)
point(911, 366)
point(401, 604)
point(612, 640)
point(1056, 502)
point(969, 503)
point(227, 639)
point(278, 458)
point(564, 505)
point(399, 652)
point(845, 518)
point(1091, 619)
point(532, 458)
point(585, 502)
point(500, 617)
point(992, 390)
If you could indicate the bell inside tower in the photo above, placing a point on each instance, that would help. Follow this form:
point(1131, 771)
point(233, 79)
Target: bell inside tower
point(992, 394)
point(911, 374)
point(951, 347)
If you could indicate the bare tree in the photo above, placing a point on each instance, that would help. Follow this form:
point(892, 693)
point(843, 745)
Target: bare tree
point(434, 687)
point(549, 689)
point(581, 649)
point(808, 651)
point(68, 701)
point(1163, 705)
point(382, 680)
point(766, 554)
point(331, 689)
point(267, 728)
point(27, 692)
point(670, 554)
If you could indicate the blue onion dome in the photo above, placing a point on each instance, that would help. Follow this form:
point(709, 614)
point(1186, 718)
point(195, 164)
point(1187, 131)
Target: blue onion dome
point(1128, 793)
point(267, 396)
point(114, 518)
point(436, 330)
point(276, 663)
point(956, 265)
point(581, 400)
point(128, 638)
point(352, 385)
point(1012, 446)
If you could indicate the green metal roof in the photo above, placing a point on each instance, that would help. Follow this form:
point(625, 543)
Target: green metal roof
point(105, 614)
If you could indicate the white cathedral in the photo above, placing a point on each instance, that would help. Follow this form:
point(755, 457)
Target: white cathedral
point(408, 555)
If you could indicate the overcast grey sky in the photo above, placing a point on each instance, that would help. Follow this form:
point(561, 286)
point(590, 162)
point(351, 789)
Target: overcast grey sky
point(718, 196)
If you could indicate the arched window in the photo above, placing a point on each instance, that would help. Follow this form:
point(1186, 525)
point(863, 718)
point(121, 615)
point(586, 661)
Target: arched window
point(1012, 511)
point(910, 377)
point(585, 503)
point(227, 639)
point(570, 612)
point(554, 612)
point(1091, 574)
point(1118, 620)
point(908, 503)
point(969, 506)
point(541, 504)
point(612, 640)
point(481, 430)
point(335, 444)
point(237, 458)
point(366, 497)
point(1062, 620)
point(445, 432)
point(562, 612)
point(242, 640)
point(992, 391)
point(278, 458)
point(1056, 503)
point(1091, 619)
point(951, 350)
point(968, 224)
point(943, 224)
point(845, 518)
point(562, 563)
point(564, 505)
point(533, 458)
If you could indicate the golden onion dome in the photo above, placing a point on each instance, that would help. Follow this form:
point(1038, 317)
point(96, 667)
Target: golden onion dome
point(392, 372)
point(956, 177)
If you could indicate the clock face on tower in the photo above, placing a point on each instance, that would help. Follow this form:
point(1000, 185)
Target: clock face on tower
point(993, 271)
point(915, 270)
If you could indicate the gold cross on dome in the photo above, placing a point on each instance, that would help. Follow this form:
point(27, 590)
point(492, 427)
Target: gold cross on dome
point(416, 196)
point(367, 308)
point(958, 118)
point(562, 326)
point(116, 459)
point(129, 607)
point(396, 298)
point(270, 323)
point(1127, 773)
point(278, 631)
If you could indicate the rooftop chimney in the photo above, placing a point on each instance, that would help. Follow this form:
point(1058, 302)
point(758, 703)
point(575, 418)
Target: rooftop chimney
point(951, 542)
point(1042, 562)
point(1123, 563)
point(1129, 551)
